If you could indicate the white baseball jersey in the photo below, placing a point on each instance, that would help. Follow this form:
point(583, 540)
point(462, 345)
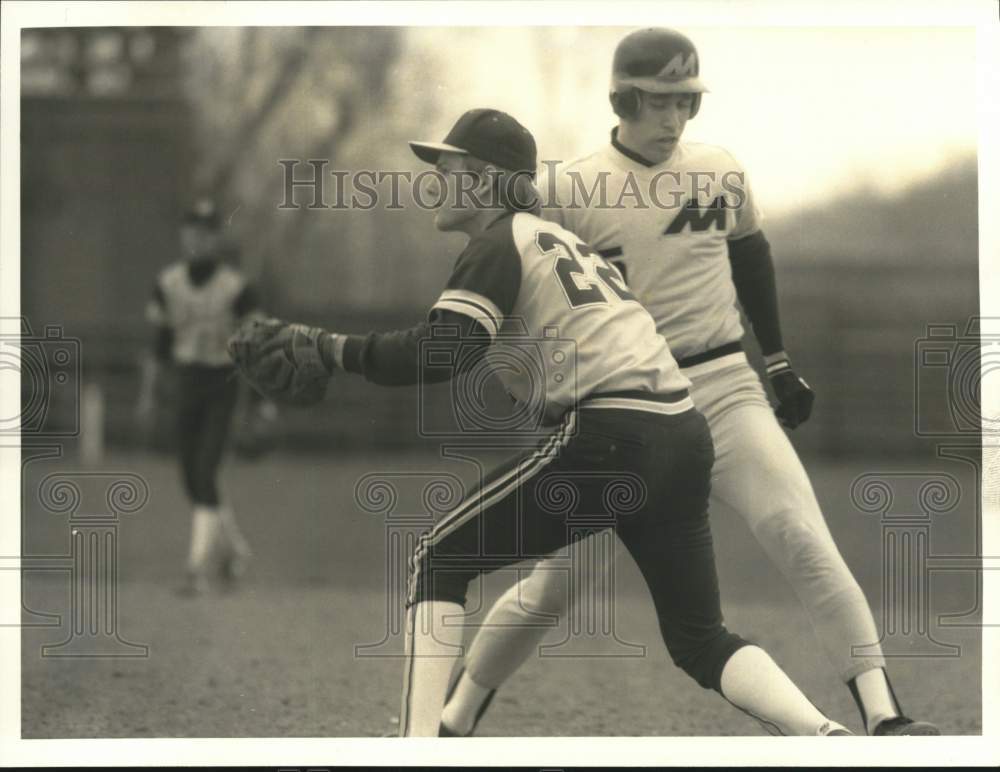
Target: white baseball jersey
point(545, 297)
point(666, 226)
point(202, 316)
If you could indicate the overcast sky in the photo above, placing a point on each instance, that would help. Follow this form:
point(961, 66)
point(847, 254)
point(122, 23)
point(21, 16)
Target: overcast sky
point(809, 111)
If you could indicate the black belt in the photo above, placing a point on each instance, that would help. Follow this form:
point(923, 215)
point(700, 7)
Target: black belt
point(668, 398)
point(713, 353)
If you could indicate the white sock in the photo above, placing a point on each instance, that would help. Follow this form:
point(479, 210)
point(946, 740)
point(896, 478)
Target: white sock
point(232, 531)
point(751, 680)
point(460, 712)
point(205, 525)
point(873, 691)
point(431, 651)
point(515, 627)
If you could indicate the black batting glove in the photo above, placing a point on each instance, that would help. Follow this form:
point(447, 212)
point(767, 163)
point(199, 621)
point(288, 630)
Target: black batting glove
point(795, 398)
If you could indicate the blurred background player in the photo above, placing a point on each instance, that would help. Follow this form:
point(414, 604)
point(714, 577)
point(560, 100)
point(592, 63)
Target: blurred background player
point(688, 255)
point(197, 303)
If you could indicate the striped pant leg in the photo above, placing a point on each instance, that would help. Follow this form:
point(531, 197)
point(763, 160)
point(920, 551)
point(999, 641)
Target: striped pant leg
point(492, 528)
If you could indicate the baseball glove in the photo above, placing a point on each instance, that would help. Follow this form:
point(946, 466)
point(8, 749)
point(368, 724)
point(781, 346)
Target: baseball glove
point(281, 360)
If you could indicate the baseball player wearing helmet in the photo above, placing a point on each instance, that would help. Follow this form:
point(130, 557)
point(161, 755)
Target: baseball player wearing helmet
point(689, 255)
point(196, 305)
point(613, 423)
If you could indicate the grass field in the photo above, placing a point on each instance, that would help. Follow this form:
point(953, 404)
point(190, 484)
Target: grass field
point(276, 657)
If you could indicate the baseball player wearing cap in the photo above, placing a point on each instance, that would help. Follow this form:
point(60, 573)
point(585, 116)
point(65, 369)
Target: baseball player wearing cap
point(196, 305)
point(691, 250)
point(517, 277)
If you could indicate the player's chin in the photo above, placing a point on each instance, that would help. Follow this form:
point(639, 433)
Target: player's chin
point(447, 220)
point(661, 150)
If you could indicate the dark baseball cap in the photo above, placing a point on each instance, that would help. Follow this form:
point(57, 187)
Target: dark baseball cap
point(489, 135)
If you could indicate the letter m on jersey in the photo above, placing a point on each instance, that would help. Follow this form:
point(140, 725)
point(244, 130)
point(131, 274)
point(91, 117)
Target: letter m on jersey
point(699, 218)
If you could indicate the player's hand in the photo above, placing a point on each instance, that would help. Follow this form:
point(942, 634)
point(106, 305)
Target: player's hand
point(280, 360)
point(795, 398)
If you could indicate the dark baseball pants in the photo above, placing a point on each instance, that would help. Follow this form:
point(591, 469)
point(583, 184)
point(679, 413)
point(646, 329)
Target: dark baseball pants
point(207, 397)
point(652, 470)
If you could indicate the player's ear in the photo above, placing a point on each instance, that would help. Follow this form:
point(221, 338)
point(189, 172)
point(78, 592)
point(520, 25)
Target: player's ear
point(626, 104)
point(489, 179)
point(490, 175)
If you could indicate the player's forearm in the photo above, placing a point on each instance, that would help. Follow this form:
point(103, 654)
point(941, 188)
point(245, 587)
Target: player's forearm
point(385, 358)
point(394, 358)
point(753, 276)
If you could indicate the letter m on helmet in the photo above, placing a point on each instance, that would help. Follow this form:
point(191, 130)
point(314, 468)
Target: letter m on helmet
point(680, 66)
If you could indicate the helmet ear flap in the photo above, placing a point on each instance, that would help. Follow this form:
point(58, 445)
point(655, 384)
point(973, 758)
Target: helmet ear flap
point(625, 103)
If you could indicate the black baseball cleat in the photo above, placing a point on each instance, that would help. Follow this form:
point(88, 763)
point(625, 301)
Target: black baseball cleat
point(444, 730)
point(901, 725)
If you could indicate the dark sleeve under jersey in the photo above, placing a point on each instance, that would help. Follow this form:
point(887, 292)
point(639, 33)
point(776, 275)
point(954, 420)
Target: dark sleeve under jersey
point(465, 319)
point(431, 352)
point(753, 276)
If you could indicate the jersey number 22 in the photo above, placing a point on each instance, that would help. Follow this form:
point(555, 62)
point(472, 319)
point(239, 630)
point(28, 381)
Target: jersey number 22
point(582, 291)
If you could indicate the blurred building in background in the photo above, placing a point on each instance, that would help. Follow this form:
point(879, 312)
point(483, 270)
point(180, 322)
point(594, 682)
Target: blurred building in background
point(120, 127)
point(105, 135)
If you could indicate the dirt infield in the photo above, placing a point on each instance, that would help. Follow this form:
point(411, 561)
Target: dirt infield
point(279, 657)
